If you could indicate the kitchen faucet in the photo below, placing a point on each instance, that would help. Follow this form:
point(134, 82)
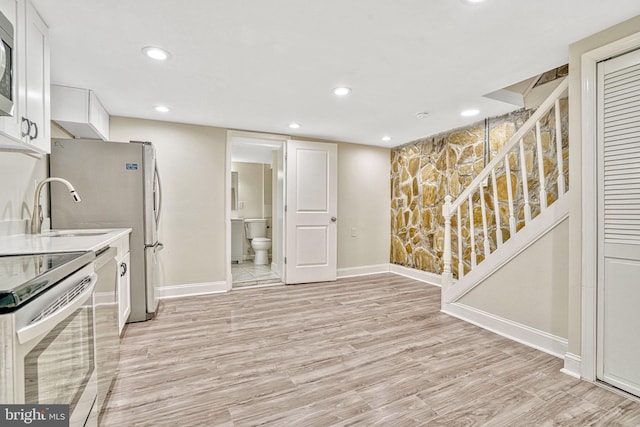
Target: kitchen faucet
point(36, 221)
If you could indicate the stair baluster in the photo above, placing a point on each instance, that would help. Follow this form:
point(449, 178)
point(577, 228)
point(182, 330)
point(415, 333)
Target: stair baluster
point(560, 160)
point(542, 190)
point(472, 229)
point(512, 218)
point(525, 184)
point(496, 208)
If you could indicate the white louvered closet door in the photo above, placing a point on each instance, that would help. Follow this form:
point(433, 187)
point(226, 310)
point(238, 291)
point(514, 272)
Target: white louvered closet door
point(618, 357)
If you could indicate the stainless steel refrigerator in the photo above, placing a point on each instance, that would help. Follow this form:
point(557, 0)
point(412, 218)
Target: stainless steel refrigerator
point(120, 188)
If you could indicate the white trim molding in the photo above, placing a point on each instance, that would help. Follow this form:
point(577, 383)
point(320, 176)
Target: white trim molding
point(540, 340)
point(192, 289)
point(572, 365)
point(422, 276)
point(362, 270)
point(589, 261)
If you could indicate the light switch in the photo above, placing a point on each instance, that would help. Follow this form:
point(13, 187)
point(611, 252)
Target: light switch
point(354, 232)
point(240, 204)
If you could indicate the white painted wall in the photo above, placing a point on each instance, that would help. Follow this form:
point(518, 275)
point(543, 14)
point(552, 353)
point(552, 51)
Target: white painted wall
point(191, 160)
point(19, 174)
point(364, 204)
point(532, 289)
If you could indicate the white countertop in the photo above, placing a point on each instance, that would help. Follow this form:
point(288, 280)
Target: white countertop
point(60, 241)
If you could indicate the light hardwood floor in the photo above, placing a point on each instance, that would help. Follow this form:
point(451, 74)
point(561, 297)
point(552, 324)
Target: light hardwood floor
point(371, 350)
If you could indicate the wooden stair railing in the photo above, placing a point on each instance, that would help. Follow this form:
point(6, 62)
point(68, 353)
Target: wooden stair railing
point(500, 165)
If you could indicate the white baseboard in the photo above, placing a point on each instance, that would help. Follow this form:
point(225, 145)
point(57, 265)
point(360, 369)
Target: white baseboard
point(363, 270)
point(422, 276)
point(191, 289)
point(543, 341)
point(572, 365)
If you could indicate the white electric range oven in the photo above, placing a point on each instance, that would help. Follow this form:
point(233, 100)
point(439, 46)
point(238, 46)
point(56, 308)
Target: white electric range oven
point(47, 336)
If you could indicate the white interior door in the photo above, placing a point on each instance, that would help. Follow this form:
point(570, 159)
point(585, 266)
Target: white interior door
point(618, 358)
point(311, 212)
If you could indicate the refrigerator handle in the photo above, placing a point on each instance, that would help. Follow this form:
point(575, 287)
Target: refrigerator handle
point(158, 191)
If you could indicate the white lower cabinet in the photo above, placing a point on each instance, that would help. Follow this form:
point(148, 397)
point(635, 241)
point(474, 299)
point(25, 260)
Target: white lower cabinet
point(123, 260)
point(124, 289)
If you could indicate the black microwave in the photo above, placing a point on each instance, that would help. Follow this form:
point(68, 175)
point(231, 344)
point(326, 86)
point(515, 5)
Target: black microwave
point(6, 67)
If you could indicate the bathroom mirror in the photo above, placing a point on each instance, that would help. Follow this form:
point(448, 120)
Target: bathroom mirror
point(234, 191)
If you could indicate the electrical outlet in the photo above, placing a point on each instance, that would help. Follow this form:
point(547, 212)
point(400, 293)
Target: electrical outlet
point(240, 204)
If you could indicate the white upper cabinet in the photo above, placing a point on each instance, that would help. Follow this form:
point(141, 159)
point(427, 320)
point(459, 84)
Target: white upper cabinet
point(79, 112)
point(10, 125)
point(29, 128)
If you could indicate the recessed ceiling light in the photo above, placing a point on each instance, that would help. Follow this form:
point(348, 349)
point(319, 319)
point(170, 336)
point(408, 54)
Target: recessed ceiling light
point(422, 115)
point(294, 125)
point(473, 1)
point(161, 108)
point(342, 91)
point(156, 53)
point(470, 113)
point(386, 138)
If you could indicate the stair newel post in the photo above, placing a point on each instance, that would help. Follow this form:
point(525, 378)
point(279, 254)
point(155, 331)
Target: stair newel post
point(472, 228)
point(512, 217)
point(485, 229)
point(460, 265)
point(525, 184)
point(496, 208)
point(447, 274)
point(561, 184)
point(543, 191)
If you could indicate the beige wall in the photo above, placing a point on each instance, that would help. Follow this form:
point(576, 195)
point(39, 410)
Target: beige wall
point(364, 203)
point(532, 289)
point(192, 164)
point(19, 174)
point(576, 51)
point(191, 160)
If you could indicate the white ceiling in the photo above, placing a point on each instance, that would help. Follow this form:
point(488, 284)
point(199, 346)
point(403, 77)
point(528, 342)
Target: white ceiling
point(260, 64)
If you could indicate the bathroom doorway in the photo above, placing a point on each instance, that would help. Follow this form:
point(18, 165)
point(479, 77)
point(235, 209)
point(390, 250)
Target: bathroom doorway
point(257, 208)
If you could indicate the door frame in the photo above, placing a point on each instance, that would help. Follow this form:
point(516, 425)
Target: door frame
point(231, 134)
point(589, 247)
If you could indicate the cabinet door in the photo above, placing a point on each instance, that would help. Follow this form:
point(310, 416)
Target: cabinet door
point(37, 107)
point(29, 128)
point(10, 125)
point(124, 291)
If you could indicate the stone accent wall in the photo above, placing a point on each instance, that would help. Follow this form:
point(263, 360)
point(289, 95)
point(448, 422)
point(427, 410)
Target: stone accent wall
point(423, 172)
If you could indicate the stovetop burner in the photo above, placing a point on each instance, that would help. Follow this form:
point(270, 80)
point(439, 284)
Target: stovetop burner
point(23, 277)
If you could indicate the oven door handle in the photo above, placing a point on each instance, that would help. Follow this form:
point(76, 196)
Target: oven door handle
point(35, 329)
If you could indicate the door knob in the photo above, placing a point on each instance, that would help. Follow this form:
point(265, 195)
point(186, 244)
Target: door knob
point(334, 219)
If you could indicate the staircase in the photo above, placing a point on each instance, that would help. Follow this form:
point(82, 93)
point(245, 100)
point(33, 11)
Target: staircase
point(516, 199)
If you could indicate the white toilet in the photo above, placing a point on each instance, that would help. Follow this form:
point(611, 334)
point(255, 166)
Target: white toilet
point(256, 231)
